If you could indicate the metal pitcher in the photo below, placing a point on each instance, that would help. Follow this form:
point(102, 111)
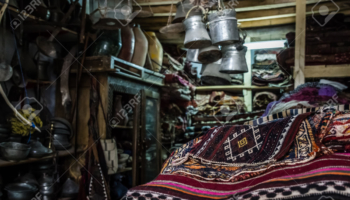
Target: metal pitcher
point(182, 8)
point(233, 59)
point(223, 27)
point(192, 55)
point(209, 54)
point(212, 76)
point(197, 36)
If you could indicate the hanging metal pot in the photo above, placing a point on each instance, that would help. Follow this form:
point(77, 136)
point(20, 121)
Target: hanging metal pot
point(197, 36)
point(182, 8)
point(212, 76)
point(233, 59)
point(209, 54)
point(192, 55)
point(223, 27)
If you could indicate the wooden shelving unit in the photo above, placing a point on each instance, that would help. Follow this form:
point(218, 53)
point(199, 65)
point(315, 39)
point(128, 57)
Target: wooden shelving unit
point(301, 71)
point(5, 163)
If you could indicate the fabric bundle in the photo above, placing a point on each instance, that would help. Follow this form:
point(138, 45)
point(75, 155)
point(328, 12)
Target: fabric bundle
point(309, 95)
point(176, 97)
point(324, 44)
point(262, 99)
point(219, 103)
point(266, 71)
point(301, 156)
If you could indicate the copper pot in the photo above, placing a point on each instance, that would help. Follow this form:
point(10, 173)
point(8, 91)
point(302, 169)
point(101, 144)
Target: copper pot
point(128, 44)
point(141, 47)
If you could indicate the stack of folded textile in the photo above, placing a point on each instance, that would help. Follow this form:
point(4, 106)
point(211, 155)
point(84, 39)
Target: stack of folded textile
point(324, 45)
point(177, 96)
point(265, 70)
point(262, 99)
point(236, 79)
point(309, 95)
point(219, 103)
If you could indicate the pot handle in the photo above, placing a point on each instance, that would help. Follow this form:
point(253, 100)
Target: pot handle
point(203, 10)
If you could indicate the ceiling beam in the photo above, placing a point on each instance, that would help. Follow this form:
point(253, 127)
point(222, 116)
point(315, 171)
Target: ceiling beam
point(242, 6)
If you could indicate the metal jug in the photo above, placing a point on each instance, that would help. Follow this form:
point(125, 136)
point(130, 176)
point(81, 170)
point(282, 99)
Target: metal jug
point(209, 54)
point(197, 36)
point(182, 8)
point(223, 27)
point(192, 55)
point(233, 59)
point(212, 76)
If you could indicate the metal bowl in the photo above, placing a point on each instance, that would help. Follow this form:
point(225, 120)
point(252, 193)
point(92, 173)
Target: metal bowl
point(14, 151)
point(20, 191)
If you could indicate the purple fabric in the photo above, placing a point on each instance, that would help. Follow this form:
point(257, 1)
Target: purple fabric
point(269, 106)
point(327, 91)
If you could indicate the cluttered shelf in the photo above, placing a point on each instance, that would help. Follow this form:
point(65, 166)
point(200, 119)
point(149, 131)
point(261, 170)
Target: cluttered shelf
point(236, 88)
point(5, 163)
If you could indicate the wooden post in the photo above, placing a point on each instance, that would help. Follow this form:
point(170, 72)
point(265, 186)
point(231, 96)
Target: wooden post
point(300, 28)
point(248, 93)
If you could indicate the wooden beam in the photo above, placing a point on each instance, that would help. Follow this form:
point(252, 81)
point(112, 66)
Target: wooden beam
point(300, 28)
point(321, 71)
point(251, 24)
point(248, 5)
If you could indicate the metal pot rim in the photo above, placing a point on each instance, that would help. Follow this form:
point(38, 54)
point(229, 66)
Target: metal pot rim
point(231, 13)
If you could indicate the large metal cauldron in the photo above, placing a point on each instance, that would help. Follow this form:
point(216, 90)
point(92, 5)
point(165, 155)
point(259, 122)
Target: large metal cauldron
point(209, 54)
point(182, 8)
point(212, 76)
point(223, 27)
point(233, 60)
point(197, 36)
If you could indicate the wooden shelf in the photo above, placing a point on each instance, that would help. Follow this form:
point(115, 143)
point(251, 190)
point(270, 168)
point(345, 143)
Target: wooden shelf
point(122, 127)
point(5, 163)
point(322, 71)
point(236, 88)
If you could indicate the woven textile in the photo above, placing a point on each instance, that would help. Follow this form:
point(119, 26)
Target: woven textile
point(281, 159)
point(326, 176)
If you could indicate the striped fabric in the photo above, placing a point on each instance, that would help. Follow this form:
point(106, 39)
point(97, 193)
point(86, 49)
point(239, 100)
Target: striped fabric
point(328, 176)
point(293, 112)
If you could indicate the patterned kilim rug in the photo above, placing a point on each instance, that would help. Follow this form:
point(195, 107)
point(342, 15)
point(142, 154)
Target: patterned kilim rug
point(274, 160)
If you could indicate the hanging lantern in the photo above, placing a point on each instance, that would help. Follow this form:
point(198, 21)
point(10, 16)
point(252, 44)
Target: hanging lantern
point(223, 26)
point(212, 76)
point(233, 59)
point(209, 54)
point(197, 36)
point(192, 55)
point(112, 14)
point(182, 8)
